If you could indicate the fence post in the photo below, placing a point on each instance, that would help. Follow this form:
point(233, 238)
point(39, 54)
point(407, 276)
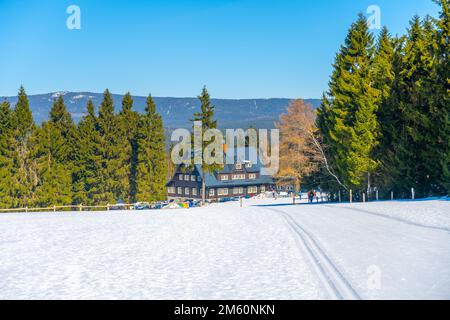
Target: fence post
point(412, 194)
point(339, 195)
point(240, 200)
point(107, 207)
point(364, 197)
point(376, 194)
point(392, 195)
point(293, 198)
point(81, 207)
point(54, 208)
point(26, 209)
point(351, 196)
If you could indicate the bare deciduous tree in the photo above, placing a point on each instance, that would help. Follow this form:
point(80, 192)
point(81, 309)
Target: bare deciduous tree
point(299, 156)
point(301, 152)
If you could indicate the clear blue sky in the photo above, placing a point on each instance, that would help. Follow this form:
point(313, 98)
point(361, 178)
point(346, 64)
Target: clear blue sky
point(238, 49)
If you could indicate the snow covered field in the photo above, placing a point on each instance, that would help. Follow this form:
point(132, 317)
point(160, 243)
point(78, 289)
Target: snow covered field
point(266, 250)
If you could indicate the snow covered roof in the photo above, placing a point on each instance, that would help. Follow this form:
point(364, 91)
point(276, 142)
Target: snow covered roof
point(212, 181)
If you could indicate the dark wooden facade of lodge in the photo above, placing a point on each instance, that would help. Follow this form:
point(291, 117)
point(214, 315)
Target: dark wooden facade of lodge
point(242, 179)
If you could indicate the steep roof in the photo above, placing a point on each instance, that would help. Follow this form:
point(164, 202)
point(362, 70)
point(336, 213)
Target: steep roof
point(241, 155)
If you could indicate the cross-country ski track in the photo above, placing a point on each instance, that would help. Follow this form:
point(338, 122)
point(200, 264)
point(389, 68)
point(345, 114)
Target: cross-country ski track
point(268, 249)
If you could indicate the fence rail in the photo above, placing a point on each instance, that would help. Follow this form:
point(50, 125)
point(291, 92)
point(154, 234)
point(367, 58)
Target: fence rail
point(73, 207)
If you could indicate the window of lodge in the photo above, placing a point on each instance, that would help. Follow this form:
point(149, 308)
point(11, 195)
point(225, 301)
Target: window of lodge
point(252, 190)
point(222, 192)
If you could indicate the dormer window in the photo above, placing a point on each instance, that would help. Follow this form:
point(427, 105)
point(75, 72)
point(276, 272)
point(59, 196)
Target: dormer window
point(248, 164)
point(238, 166)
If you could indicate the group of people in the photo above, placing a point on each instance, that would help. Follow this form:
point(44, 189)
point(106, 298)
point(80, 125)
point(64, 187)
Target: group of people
point(312, 195)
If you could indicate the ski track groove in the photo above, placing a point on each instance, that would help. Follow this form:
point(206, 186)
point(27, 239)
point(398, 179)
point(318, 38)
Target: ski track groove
point(336, 285)
point(412, 223)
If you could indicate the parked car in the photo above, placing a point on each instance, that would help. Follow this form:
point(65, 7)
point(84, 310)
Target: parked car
point(142, 206)
point(120, 205)
point(158, 205)
point(193, 203)
point(172, 205)
point(228, 199)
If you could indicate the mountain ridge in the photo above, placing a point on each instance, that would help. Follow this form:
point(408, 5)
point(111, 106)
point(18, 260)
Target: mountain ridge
point(176, 111)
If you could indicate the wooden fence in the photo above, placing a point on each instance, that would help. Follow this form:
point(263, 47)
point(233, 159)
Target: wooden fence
point(71, 208)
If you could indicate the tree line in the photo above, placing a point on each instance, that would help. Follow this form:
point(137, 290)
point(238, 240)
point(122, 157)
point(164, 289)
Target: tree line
point(104, 158)
point(385, 120)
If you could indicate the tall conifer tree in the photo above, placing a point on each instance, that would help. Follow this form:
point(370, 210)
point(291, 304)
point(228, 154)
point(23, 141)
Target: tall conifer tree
point(110, 161)
point(127, 126)
point(383, 77)
point(439, 150)
point(24, 172)
point(410, 101)
point(151, 156)
point(55, 157)
point(206, 118)
point(6, 155)
point(88, 170)
point(349, 111)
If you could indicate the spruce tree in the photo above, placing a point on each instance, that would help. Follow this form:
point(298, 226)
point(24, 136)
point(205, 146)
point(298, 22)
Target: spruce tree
point(412, 100)
point(205, 117)
point(383, 77)
point(391, 123)
point(6, 155)
point(88, 169)
point(127, 146)
point(382, 70)
point(24, 124)
point(24, 171)
point(55, 157)
point(151, 155)
point(439, 150)
point(110, 162)
point(349, 110)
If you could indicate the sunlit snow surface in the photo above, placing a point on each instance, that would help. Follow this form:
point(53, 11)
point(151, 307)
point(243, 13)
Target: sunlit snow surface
point(226, 252)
